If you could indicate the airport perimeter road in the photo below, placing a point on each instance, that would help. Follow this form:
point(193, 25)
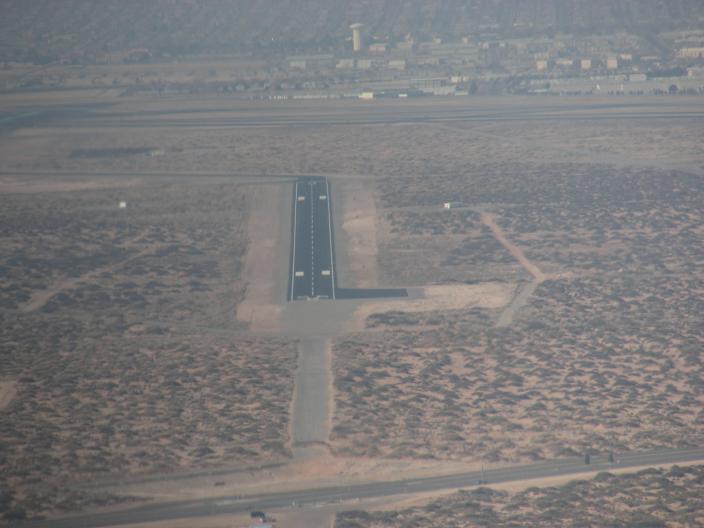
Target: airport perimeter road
point(312, 270)
point(315, 497)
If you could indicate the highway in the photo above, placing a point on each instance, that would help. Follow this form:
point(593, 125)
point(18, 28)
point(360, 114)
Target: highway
point(312, 269)
point(314, 497)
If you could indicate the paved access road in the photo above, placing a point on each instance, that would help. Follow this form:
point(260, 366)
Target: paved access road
point(314, 497)
point(312, 271)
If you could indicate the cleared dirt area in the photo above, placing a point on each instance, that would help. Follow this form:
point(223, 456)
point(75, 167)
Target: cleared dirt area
point(8, 390)
point(266, 263)
point(23, 185)
point(356, 233)
point(437, 298)
point(516, 252)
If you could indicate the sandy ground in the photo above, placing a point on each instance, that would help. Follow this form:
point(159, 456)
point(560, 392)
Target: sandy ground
point(491, 295)
point(522, 297)
point(291, 518)
point(516, 252)
point(356, 248)
point(215, 521)
point(8, 390)
point(11, 185)
point(321, 470)
point(266, 263)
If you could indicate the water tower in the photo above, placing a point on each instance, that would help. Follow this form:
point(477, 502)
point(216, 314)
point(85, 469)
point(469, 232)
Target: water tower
point(356, 37)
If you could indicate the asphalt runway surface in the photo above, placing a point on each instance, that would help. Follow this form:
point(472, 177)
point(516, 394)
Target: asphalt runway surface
point(310, 414)
point(312, 273)
point(311, 498)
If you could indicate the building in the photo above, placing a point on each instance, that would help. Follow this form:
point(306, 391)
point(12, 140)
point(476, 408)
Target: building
point(308, 62)
point(690, 53)
point(378, 47)
point(541, 65)
point(612, 63)
point(356, 37)
point(585, 64)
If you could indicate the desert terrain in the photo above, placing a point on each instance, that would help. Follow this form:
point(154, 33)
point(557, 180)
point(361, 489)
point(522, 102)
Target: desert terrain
point(603, 354)
point(555, 312)
point(122, 352)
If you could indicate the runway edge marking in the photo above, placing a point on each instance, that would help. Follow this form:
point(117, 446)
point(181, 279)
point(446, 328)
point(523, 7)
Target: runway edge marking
point(293, 258)
point(332, 258)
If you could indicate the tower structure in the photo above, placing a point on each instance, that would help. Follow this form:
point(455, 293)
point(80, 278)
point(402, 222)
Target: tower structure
point(356, 37)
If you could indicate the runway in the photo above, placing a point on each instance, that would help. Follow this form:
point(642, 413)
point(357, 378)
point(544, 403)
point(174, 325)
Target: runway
point(312, 271)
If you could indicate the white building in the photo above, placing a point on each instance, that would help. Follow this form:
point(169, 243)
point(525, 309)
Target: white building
point(690, 53)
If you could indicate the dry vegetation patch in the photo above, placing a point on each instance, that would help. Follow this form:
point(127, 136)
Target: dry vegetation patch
point(175, 253)
point(604, 355)
point(135, 405)
point(119, 331)
point(436, 245)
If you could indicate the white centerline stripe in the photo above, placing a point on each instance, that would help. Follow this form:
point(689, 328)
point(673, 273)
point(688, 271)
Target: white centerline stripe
point(312, 241)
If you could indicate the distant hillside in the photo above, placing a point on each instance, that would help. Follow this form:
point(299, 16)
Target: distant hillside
point(40, 30)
